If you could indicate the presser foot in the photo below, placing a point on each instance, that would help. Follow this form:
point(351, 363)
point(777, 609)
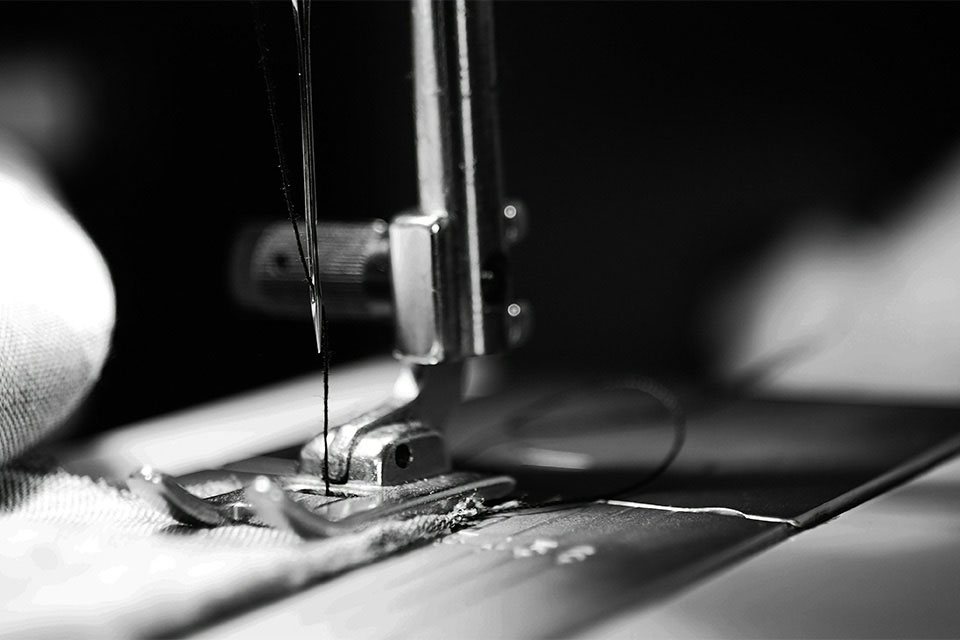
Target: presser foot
point(299, 503)
point(388, 463)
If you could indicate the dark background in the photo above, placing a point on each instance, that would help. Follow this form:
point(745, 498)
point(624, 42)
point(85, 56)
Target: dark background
point(658, 147)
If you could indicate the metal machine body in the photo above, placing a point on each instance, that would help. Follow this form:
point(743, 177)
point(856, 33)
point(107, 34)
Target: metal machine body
point(449, 277)
point(451, 300)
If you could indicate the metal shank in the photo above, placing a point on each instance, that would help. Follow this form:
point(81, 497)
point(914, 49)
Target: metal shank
point(365, 449)
point(457, 309)
point(448, 262)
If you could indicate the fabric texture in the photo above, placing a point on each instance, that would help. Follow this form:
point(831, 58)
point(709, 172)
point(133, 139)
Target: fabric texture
point(56, 307)
point(81, 558)
point(84, 559)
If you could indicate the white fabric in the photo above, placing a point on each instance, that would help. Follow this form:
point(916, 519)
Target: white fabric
point(79, 558)
point(83, 559)
point(56, 307)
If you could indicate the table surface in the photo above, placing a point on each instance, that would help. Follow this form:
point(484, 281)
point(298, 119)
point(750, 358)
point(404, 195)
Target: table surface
point(889, 568)
point(650, 564)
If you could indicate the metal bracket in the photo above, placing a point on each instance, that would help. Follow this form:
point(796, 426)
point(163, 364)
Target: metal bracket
point(400, 440)
point(451, 294)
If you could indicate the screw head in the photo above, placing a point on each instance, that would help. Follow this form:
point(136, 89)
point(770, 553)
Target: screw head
point(519, 322)
point(516, 222)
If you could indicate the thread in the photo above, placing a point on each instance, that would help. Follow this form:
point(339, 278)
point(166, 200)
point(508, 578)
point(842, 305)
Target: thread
point(313, 283)
point(277, 129)
point(545, 405)
point(645, 385)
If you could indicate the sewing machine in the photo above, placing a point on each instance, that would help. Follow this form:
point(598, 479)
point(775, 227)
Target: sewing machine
point(449, 297)
point(752, 473)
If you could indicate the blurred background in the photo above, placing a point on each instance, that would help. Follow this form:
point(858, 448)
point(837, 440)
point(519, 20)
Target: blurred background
point(659, 147)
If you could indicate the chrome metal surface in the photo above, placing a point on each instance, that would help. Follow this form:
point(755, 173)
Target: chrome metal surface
point(354, 258)
point(421, 287)
point(458, 161)
point(167, 495)
point(301, 10)
point(279, 509)
point(355, 270)
point(421, 400)
point(450, 291)
point(519, 322)
point(516, 222)
point(448, 260)
point(298, 504)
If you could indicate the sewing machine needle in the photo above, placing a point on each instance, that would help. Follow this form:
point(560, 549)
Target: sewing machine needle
point(301, 12)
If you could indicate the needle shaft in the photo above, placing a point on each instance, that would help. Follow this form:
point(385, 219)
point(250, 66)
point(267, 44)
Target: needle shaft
point(301, 10)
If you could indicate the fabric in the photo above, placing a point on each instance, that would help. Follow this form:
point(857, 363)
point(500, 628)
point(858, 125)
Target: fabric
point(80, 558)
point(56, 307)
point(84, 559)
